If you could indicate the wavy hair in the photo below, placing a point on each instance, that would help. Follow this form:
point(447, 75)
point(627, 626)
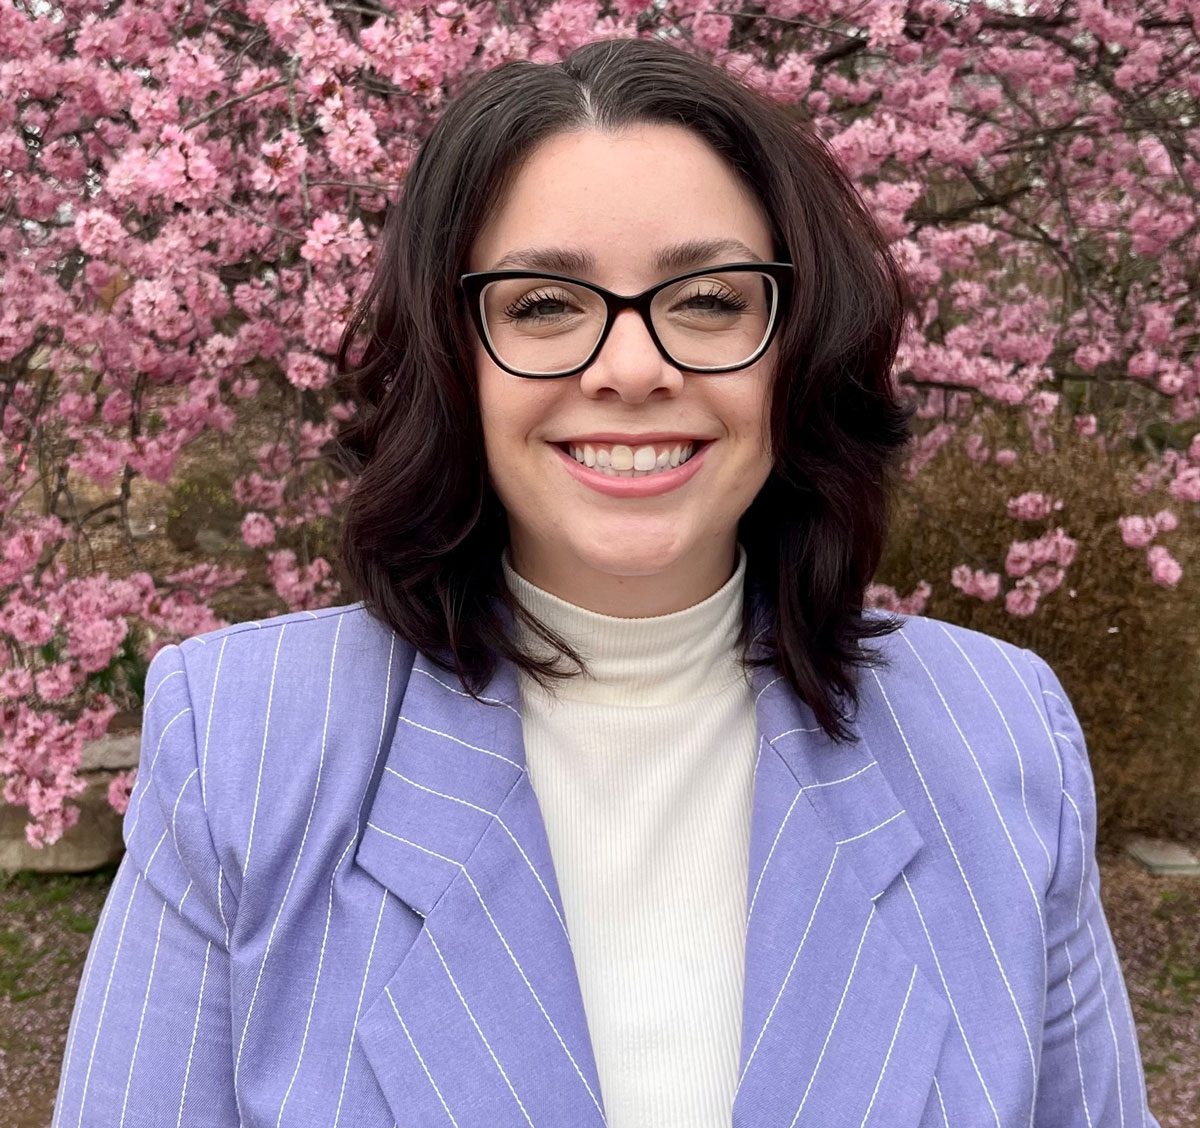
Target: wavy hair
point(423, 529)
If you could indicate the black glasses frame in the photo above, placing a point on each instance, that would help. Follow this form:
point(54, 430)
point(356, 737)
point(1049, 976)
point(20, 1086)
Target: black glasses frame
point(472, 286)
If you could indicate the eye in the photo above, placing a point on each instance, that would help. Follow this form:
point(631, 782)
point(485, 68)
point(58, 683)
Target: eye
point(719, 299)
point(537, 305)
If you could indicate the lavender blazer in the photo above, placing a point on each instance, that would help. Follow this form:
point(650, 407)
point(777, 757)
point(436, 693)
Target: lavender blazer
point(338, 906)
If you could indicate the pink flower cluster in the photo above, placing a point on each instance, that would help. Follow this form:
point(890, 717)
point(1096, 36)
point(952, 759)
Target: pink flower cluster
point(976, 583)
point(1033, 506)
point(202, 213)
point(887, 598)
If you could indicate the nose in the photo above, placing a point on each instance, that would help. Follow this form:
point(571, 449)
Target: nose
point(630, 363)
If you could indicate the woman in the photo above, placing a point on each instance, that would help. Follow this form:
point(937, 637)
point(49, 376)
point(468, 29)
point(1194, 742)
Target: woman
point(597, 808)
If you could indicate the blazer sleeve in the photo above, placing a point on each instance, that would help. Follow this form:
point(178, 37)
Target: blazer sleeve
point(1091, 1068)
point(150, 1043)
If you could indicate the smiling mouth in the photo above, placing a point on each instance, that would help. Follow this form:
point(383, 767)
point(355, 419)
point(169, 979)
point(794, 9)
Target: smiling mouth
point(620, 460)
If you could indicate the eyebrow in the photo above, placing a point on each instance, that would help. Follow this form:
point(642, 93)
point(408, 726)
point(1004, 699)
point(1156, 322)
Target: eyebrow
point(677, 257)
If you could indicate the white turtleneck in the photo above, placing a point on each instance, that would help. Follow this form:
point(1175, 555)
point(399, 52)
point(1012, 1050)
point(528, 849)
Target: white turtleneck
point(644, 773)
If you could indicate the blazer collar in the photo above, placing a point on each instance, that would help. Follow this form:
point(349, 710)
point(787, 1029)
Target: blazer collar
point(483, 1020)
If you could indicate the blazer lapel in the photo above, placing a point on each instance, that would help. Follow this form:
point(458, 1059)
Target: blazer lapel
point(840, 1027)
point(483, 1021)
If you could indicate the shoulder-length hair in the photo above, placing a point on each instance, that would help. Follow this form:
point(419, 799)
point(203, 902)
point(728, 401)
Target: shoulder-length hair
point(423, 529)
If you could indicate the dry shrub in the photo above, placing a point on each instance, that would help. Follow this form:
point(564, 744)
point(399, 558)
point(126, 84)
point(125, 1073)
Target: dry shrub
point(1126, 650)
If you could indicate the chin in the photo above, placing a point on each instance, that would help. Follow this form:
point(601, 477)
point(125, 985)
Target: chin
point(616, 556)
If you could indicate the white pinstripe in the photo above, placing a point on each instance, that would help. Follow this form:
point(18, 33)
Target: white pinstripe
point(783, 986)
point(521, 971)
point(1039, 710)
point(941, 1104)
point(877, 826)
point(471, 1016)
point(836, 1015)
point(1012, 739)
point(891, 1046)
point(383, 716)
point(1083, 853)
point(175, 807)
point(187, 1072)
point(212, 700)
point(962, 873)
point(137, 1041)
point(449, 736)
point(765, 688)
point(262, 756)
point(403, 1026)
point(1075, 1027)
point(511, 955)
point(358, 1011)
point(299, 851)
point(1108, 1014)
point(1038, 907)
point(312, 1002)
point(462, 693)
point(105, 914)
point(787, 815)
point(137, 877)
point(495, 816)
point(162, 681)
point(204, 781)
point(950, 999)
point(137, 814)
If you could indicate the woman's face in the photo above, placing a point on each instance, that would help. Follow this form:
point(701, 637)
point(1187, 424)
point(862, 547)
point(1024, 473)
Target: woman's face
point(619, 200)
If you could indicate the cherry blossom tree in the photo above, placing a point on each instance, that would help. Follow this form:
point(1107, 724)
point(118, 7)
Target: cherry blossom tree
point(189, 200)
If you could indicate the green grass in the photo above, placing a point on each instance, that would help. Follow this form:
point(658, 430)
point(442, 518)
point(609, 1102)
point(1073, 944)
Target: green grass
point(39, 912)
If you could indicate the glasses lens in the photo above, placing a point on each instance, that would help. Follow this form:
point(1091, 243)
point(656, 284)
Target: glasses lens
point(543, 326)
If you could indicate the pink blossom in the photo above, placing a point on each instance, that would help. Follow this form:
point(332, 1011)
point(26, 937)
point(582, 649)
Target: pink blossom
point(976, 448)
point(1005, 457)
point(1033, 506)
point(307, 371)
point(1164, 568)
point(1043, 403)
point(978, 584)
point(1186, 485)
point(257, 530)
point(57, 681)
point(16, 683)
point(1166, 521)
point(120, 788)
point(1137, 532)
point(885, 597)
point(1144, 364)
point(1022, 600)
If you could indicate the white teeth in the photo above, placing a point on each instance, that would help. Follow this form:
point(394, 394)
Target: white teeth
point(622, 461)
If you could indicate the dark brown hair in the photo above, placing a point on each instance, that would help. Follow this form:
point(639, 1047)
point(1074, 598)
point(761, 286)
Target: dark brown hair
point(423, 529)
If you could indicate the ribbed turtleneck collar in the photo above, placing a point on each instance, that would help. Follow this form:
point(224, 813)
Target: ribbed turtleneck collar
point(657, 660)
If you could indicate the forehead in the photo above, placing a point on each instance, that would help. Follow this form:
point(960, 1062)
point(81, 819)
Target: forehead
point(625, 208)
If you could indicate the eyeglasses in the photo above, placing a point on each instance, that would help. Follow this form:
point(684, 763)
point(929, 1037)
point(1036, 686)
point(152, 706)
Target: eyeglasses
point(546, 326)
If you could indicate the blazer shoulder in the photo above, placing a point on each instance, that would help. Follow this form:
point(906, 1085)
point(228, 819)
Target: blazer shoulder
point(984, 702)
point(297, 638)
point(277, 707)
point(955, 662)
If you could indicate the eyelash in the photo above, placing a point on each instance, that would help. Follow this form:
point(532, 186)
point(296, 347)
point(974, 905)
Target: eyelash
point(528, 301)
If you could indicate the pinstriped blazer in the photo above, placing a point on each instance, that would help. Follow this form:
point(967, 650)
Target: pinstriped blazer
point(338, 906)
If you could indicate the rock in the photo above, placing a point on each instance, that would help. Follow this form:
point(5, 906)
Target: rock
point(112, 752)
point(1160, 856)
point(94, 841)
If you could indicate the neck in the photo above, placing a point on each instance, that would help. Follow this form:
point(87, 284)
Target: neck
point(683, 585)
